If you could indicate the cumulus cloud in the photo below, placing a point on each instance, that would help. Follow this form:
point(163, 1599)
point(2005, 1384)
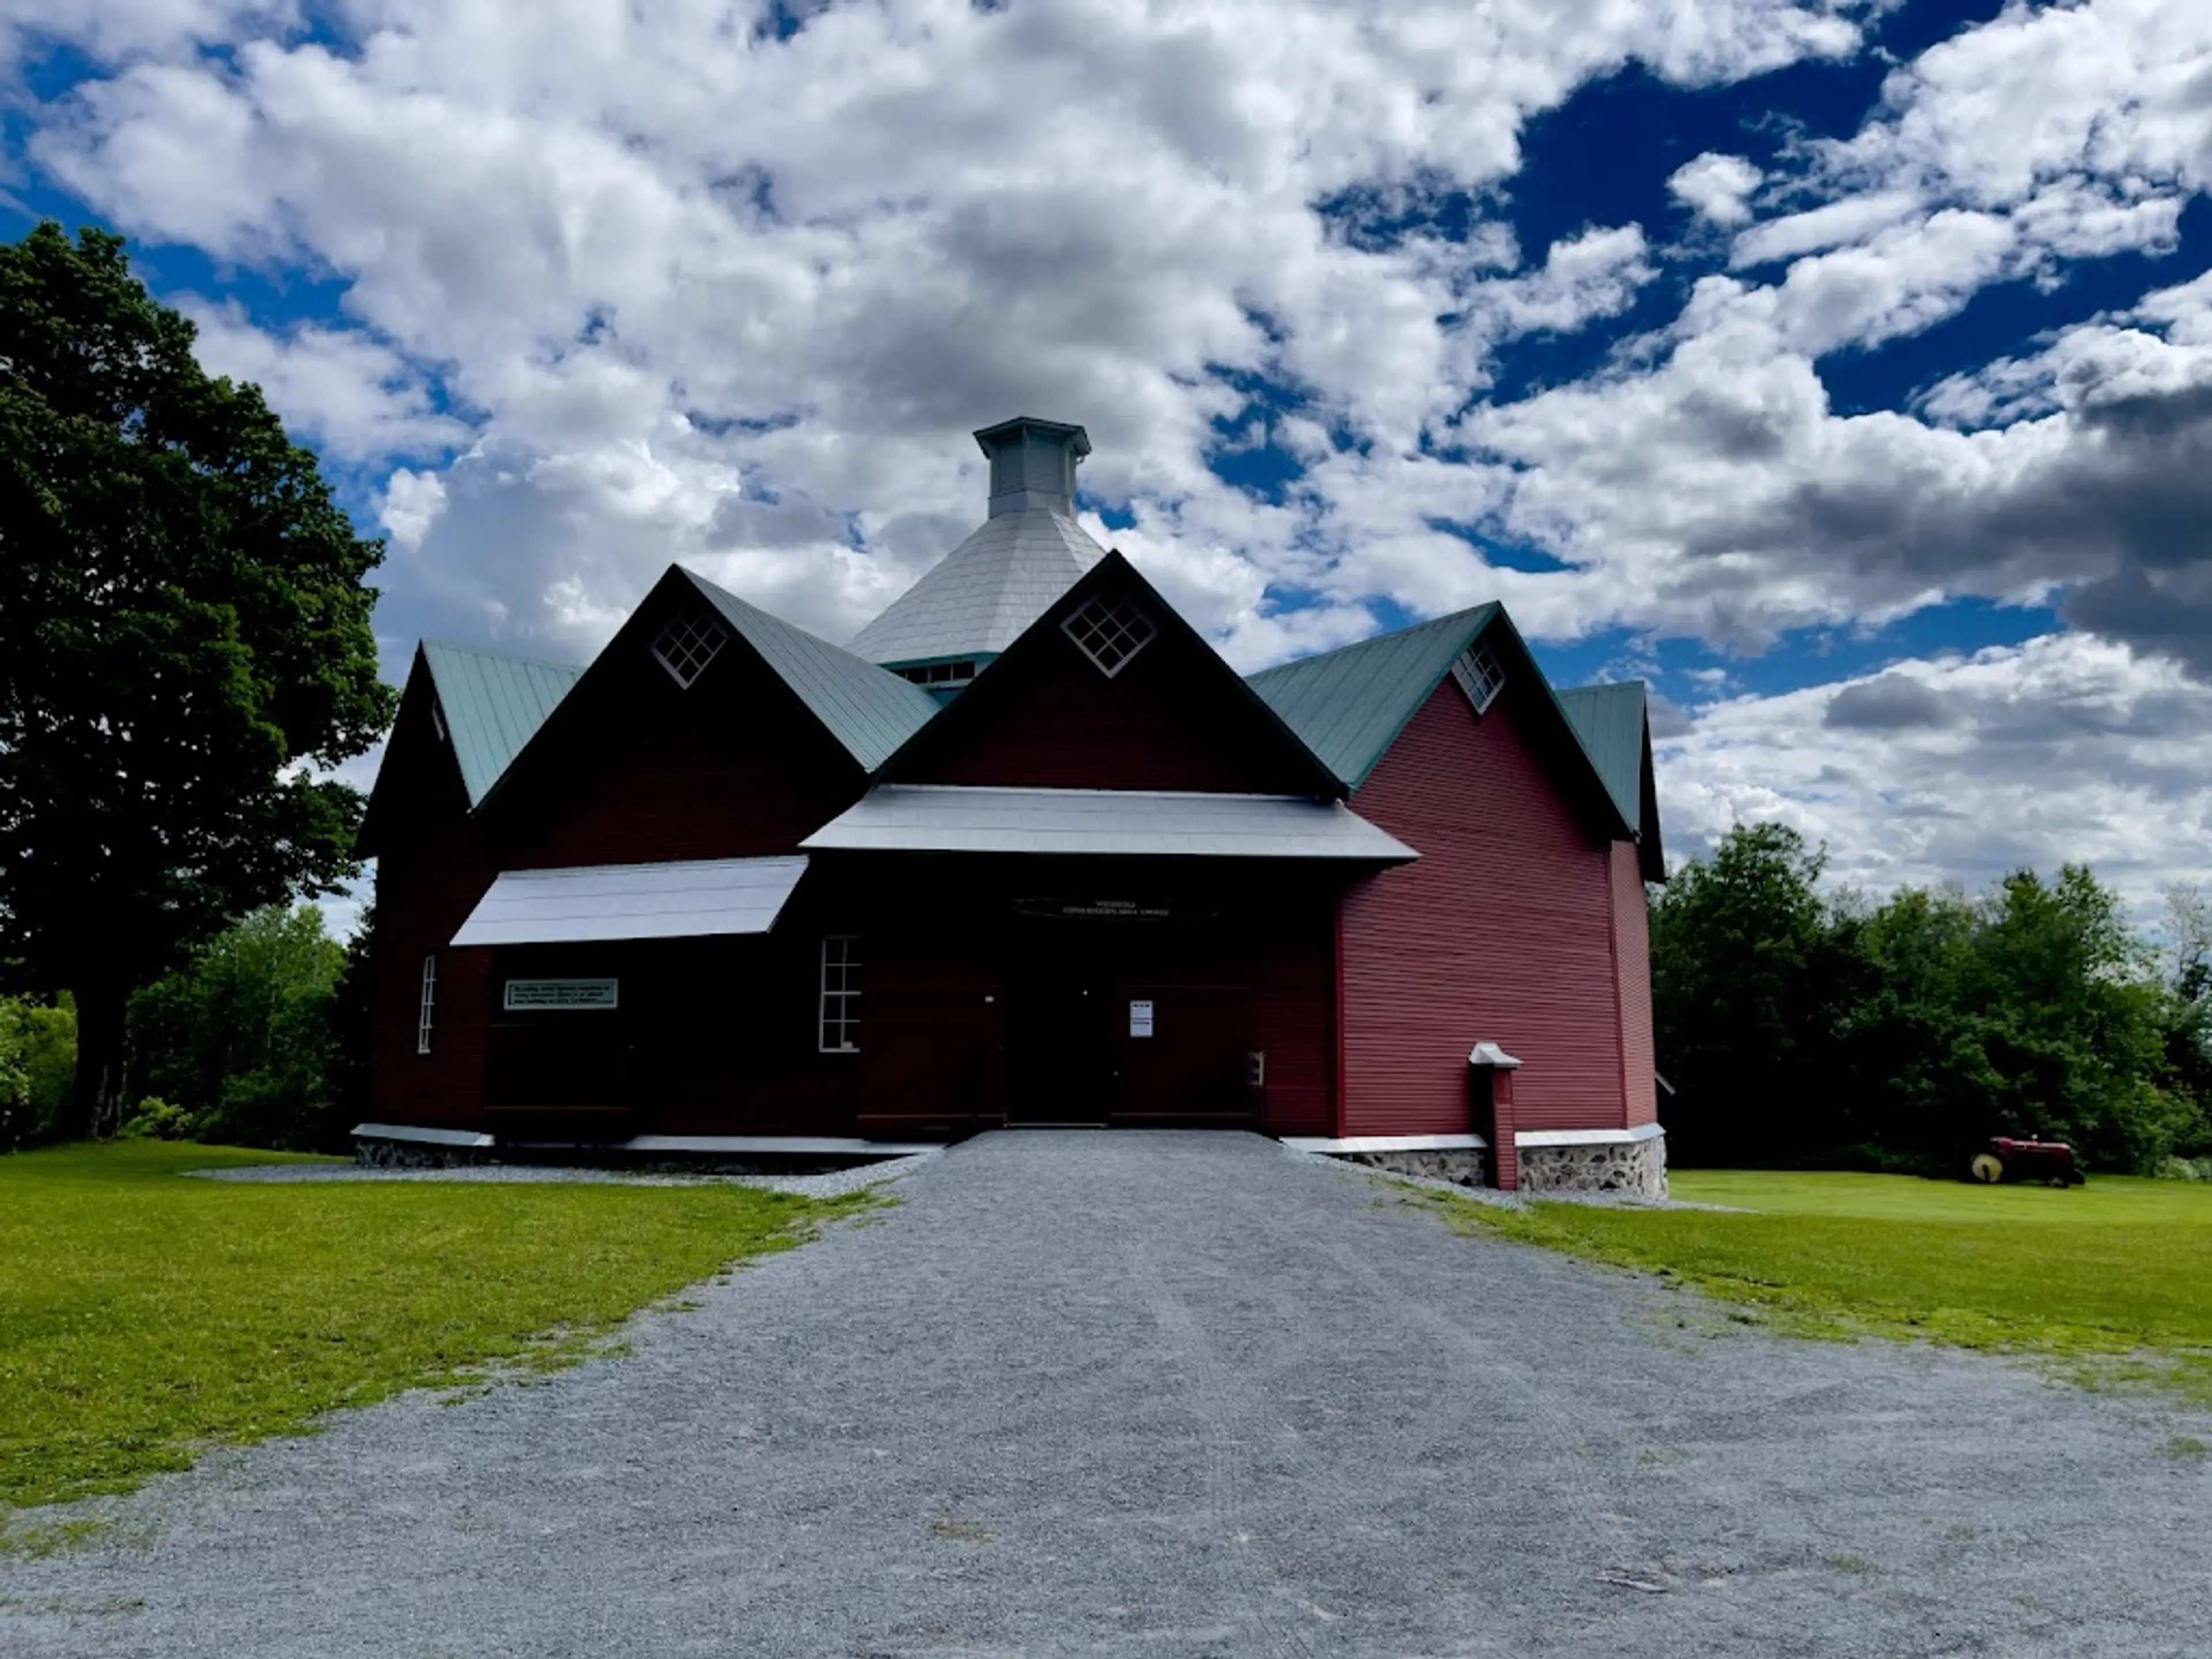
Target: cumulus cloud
point(628, 285)
point(2066, 749)
point(1716, 188)
point(353, 397)
point(679, 270)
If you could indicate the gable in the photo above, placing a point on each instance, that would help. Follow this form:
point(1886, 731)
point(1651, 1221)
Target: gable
point(644, 769)
point(1353, 705)
point(858, 712)
point(1111, 690)
point(1613, 722)
point(492, 704)
point(1350, 704)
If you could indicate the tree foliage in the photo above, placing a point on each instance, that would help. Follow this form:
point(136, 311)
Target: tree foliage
point(38, 1057)
point(242, 1046)
point(185, 646)
point(1800, 1030)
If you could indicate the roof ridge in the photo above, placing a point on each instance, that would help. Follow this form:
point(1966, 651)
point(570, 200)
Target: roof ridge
point(1464, 615)
point(505, 656)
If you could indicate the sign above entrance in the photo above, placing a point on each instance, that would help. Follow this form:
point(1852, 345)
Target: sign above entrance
point(1115, 909)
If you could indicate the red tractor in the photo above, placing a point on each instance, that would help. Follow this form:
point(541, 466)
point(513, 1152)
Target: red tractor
point(2051, 1162)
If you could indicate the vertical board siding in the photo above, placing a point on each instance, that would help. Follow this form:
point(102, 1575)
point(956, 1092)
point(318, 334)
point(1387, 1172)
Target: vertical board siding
point(1502, 932)
point(1166, 721)
point(1632, 948)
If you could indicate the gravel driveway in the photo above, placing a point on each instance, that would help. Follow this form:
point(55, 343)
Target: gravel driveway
point(1139, 1394)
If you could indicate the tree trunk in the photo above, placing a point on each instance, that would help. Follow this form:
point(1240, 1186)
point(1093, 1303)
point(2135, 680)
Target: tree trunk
point(97, 1101)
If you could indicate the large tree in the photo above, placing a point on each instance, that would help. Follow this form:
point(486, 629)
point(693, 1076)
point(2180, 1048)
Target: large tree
point(184, 647)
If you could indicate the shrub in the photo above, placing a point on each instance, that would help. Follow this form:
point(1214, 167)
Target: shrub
point(156, 1120)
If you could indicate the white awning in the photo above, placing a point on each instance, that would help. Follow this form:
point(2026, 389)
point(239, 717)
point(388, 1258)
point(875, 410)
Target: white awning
point(1145, 823)
point(633, 901)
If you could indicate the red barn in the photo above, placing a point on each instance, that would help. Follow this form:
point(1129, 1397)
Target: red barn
point(1027, 852)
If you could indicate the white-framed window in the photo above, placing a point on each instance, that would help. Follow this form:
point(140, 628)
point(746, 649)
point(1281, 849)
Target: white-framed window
point(686, 645)
point(1110, 631)
point(438, 719)
point(1479, 677)
point(840, 994)
point(429, 1006)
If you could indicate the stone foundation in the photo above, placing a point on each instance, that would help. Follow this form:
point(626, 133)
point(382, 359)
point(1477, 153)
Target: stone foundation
point(1637, 1167)
point(380, 1154)
point(1463, 1166)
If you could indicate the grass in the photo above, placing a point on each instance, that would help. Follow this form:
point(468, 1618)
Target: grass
point(145, 1317)
point(2116, 1276)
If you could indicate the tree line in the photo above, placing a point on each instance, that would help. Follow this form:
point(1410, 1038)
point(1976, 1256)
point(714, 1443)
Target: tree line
point(260, 1039)
point(1797, 1027)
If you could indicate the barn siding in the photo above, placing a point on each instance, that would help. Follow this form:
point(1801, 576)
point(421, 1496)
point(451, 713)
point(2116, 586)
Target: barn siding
point(1293, 1019)
point(431, 869)
point(1632, 952)
point(1166, 721)
point(1502, 932)
point(728, 767)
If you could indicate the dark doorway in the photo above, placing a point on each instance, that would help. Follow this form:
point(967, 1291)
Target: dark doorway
point(1061, 1051)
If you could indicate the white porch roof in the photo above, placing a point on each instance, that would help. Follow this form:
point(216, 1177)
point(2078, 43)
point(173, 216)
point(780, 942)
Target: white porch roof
point(1154, 823)
point(689, 900)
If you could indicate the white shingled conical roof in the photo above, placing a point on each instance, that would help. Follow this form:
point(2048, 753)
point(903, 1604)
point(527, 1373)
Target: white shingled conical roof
point(978, 599)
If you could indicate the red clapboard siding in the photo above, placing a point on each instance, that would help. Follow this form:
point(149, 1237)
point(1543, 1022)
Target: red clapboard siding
point(1166, 721)
point(1502, 932)
point(1633, 950)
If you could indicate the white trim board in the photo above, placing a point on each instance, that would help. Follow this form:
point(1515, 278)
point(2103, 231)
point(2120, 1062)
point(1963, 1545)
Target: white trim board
point(1385, 1143)
point(427, 1137)
point(811, 1145)
point(1522, 1138)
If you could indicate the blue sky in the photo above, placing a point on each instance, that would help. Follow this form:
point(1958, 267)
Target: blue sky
point(1845, 370)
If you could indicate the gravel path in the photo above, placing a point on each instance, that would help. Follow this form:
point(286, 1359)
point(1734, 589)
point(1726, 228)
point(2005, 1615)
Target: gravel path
point(1177, 1393)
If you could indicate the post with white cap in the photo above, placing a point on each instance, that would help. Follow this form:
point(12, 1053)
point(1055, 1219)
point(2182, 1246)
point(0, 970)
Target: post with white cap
point(1489, 1089)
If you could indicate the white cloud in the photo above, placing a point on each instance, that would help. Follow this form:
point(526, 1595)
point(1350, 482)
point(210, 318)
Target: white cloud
point(2066, 749)
point(676, 268)
point(1716, 188)
point(738, 302)
point(353, 395)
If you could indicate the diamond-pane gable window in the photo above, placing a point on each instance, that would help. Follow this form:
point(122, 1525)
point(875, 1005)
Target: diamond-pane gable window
point(1479, 677)
point(1110, 631)
point(686, 645)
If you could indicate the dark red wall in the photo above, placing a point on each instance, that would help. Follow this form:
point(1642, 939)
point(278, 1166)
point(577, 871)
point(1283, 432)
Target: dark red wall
point(1170, 720)
point(1503, 932)
point(1633, 950)
point(729, 767)
point(431, 868)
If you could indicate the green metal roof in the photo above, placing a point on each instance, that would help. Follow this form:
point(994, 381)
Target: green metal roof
point(1609, 720)
point(492, 703)
point(1350, 704)
point(870, 710)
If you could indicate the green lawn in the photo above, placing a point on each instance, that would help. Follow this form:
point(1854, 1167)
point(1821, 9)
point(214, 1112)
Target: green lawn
point(2111, 1273)
point(143, 1314)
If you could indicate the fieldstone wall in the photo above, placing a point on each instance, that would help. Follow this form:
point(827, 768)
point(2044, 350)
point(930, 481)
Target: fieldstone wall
point(1464, 1166)
point(378, 1154)
point(1639, 1167)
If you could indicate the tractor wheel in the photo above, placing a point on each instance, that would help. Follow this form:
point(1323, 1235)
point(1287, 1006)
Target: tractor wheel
point(1986, 1167)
